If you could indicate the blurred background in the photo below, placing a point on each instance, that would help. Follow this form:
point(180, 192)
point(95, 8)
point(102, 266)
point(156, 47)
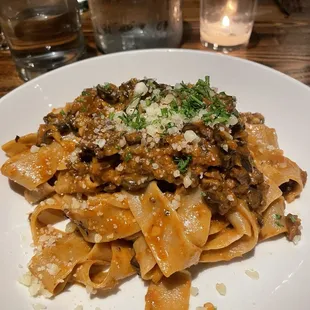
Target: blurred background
point(280, 37)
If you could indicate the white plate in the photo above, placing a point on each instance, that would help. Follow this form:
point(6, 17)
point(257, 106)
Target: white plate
point(284, 269)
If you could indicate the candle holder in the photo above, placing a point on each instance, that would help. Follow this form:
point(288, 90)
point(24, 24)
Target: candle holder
point(226, 25)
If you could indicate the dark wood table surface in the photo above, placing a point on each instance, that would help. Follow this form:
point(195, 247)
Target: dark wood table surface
point(278, 41)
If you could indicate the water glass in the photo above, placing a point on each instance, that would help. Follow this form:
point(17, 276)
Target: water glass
point(42, 34)
point(226, 25)
point(134, 24)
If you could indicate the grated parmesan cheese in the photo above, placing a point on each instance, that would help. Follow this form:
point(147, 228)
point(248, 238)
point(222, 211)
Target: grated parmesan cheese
point(253, 274)
point(190, 136)
point(100, 142)
point(25, 279)
point(98, 238)
point(233, 120)
point(52, 269)
point(296, 239)
point(176, 173)
point(34, 285)
point(230, 197)
point(120, 167)
point(155, 166)
point(187, 181)
point(194, 291)
point(140, 89)
point(34, 149)
point(122, 142)
point(50, 201)
point(90, 290)
point(120, 197)
point(221, 288)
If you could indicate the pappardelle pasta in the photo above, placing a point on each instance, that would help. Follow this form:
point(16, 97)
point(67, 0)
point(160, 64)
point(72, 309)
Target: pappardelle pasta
point(154, 179)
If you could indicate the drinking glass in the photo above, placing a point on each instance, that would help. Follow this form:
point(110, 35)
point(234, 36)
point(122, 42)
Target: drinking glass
point(226, 24)
point(134, 24)
point(42, 34)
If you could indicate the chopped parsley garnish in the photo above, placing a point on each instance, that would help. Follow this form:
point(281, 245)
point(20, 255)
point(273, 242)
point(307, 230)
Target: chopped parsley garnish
point(174, 106)
point(105, 86)
point(183, 162)
point(63, 113)
point(128, 156)
point(200, 96)
point(192, 97)
point(278, 216)
point(164, 112)
point(293, 218)
point(85, 93)
point(83, 108)
point(279, 224)
point(217, 113)
point(80, 100)
point(135, 120)
point(170, 125)
point(111, 116)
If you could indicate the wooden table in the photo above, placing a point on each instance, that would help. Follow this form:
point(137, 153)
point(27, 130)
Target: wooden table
point(277, 41)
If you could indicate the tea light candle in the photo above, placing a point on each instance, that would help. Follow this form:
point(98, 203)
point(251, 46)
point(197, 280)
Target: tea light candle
point(225, 32)
point(232, 29)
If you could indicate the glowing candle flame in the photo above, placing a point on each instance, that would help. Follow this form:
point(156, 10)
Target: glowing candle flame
point(226, 21)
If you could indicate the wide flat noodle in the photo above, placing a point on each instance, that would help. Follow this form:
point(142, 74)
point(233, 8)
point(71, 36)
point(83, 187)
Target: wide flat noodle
point(283, 171)
point(67, 183)
point(32, 169)
point(280, 170)
point(171, 293)
point(196, 217)
point(93, 273)
point(54, 263)
point(41, 192)
point(19, 144)
point(273, 220)
point(148, 267)
point(102, 218)
point(46, 214)
point(273, 193)
point(218, 223)
point(163, 231)
point(237, 248)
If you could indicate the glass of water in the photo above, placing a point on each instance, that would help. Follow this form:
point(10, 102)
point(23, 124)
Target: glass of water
point(42, 34)
point(134, 24)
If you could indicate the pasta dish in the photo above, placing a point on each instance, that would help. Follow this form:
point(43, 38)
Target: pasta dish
point(153, 179)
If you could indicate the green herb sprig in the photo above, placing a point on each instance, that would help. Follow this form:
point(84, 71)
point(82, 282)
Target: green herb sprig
point(134, 120)
point(183, 163)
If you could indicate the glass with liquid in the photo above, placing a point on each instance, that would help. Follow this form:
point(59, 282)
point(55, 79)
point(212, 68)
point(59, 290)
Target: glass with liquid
point(121, 25)
point(42, 34)
point(226, 25)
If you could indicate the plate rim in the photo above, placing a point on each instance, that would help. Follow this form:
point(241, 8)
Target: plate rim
point(149, 51)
